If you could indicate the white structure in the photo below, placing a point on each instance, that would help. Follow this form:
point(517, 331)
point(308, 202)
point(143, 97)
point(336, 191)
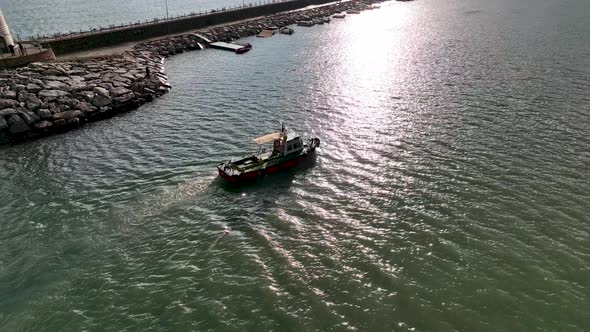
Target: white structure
point(5, 37)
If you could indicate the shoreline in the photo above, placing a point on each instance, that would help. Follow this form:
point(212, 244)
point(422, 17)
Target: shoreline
point(42, 99)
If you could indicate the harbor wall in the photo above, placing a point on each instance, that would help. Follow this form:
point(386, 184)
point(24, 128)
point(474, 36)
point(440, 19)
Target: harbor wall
point(139, 32)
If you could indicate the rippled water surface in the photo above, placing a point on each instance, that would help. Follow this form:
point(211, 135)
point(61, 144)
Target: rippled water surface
point(451, 190)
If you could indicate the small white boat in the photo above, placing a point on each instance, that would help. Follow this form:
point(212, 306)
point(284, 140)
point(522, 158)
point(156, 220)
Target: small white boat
point(318, 21)
point(286, 31)
point(339, 16)
point(305, 23)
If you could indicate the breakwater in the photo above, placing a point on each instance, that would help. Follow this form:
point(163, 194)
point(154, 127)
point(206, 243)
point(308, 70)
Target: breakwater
point(140, 31)
point(45, 98)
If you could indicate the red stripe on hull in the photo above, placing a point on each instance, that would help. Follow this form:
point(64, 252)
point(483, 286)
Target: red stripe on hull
point(287, 164)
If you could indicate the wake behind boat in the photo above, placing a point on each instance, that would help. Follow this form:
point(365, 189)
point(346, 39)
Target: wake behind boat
point(288, 150)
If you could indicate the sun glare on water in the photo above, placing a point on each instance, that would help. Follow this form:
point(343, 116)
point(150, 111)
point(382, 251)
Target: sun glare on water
point(367, 62)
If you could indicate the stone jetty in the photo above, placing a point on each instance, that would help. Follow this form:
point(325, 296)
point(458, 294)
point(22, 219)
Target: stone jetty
point(45, 98)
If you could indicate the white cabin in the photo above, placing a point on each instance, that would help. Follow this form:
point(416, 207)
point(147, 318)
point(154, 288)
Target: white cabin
point(287, 144)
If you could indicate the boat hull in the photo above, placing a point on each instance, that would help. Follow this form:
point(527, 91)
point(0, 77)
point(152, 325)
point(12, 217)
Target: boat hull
point(255, 174)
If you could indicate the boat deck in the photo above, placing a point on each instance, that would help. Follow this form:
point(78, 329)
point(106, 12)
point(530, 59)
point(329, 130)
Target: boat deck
point(266, 33)
point(226, 46)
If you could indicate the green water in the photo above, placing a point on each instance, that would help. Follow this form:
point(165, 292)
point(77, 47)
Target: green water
point(451, 190)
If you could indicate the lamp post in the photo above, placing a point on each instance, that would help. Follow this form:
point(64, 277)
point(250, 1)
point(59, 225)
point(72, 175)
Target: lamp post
point(5, 32)
point(166, 9)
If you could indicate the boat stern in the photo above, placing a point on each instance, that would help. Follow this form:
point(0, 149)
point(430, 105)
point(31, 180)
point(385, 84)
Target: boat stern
point(225, 172)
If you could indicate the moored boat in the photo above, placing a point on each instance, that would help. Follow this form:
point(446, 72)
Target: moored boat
point(286, 31)
point(339, 16)
point(245, 48)
point(305, 23)
point(288, 150)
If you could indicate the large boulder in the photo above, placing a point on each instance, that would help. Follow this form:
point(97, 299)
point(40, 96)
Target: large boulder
point(123, 99)
point(18, 87)
point(67, 115)
point(77, 71)
point(92, 76)
point(32, 87)
point(7, 112)
point(44, 113)
point(56, 78)
point(77, 78)
point(118, 84)
point(101, 101)
point(35, 81)
point(101, 91)
point(86, 95)
point(31, 100)
point(115, 92)
point(29, 116)
point(8, 95)
point(121, 79)
point(137, 87)
point(67, 101)
point(128, 76)
point(56, 85)
point(17, 125)
point(57, 107)
point(33, 103)
point(3, 124)
point(54, 71)
point(42, 125)
point(22, 96)
point(79, 86)
point(107, 86)
point(86, 107)
point(8, 103)
point(52, 94)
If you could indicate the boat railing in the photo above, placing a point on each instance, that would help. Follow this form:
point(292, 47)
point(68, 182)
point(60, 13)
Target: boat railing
point(157, 20)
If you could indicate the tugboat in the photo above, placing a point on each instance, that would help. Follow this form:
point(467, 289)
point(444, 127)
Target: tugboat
point(288, 150)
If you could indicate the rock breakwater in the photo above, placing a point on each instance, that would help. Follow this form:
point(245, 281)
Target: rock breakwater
point(45, 98)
